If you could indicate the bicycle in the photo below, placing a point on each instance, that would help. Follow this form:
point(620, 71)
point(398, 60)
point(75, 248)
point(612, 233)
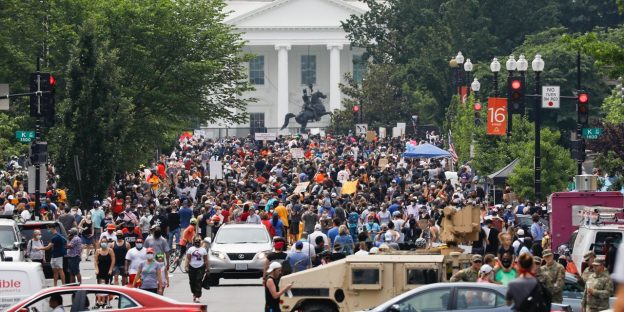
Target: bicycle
point(177, 260)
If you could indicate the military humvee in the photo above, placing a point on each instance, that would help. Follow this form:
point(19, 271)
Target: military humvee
point(363, 282)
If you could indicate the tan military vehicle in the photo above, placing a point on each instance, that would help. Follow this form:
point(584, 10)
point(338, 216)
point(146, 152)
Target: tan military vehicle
point(362, 282)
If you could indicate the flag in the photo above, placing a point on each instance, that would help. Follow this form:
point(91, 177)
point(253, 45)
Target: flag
point(452, 147)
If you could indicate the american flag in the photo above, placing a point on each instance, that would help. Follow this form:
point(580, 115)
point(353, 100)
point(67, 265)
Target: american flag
point(452, 147)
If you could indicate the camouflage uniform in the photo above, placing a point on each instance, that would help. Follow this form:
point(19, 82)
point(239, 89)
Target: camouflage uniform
point(602, 286)
point(555, 275)
point(588, 272)
point(465, 275)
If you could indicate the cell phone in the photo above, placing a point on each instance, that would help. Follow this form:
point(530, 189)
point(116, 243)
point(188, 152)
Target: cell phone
point(289, 293)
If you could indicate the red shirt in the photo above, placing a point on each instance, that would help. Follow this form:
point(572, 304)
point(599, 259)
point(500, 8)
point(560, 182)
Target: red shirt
point(118, 207)
point(226, 215)
point(244, 216)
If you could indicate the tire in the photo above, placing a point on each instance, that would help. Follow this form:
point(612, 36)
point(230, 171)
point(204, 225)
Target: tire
point(318, 307)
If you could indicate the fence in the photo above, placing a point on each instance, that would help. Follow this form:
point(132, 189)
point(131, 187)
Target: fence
point(217, 133)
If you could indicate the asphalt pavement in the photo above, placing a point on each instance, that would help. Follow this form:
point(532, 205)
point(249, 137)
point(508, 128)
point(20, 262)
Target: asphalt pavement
point(229, 296)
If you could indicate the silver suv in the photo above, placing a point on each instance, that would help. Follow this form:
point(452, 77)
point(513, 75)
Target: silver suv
point(239, 251)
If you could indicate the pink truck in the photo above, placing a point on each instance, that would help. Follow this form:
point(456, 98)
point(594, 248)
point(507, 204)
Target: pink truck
point(562, 213)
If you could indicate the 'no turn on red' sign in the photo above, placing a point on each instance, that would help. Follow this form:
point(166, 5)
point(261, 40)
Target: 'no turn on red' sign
point(550, 97)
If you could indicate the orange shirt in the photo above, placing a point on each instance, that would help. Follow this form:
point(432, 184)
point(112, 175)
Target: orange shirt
point(282, 212)
point(188, 235)
point(319, 178)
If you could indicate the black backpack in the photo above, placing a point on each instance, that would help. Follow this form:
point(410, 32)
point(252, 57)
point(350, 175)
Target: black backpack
point(539, 300)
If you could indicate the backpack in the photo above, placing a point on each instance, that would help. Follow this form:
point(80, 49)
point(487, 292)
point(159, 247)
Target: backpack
point(539, 300)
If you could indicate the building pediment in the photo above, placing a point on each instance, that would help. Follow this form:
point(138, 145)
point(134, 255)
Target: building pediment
point(296, 14)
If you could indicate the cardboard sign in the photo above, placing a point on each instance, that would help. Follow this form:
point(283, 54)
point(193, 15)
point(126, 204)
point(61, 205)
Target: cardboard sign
point(382, 132)
point(497, 116)
point(370, 136)
point(297, 152)
point(301, 187)
point(383, 163)
point(265, 136)
point(216, 170)
point(349, 187)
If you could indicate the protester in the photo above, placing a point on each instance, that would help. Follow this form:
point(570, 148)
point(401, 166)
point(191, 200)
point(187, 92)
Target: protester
point(149, 273)
point(197, 262)
point(74, 253)
point(34, 248)
point(120, 249)
point(526, 293)
point(57, 246)
point(272, 292)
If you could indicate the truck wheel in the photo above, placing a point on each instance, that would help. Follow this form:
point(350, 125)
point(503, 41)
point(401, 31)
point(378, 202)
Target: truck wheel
point(318, 307)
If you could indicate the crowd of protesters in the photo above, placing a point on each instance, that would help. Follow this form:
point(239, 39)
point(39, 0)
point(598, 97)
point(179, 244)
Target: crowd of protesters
point(363, 198)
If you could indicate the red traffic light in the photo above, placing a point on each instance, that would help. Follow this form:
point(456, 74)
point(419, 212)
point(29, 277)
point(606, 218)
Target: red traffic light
point(583, 98)
point(516, 84)
point(356, 108)
point(52, 81)
point(477, 106)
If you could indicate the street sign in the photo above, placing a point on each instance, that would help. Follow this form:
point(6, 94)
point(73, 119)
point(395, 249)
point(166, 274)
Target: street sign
point(265, 136)
point(25, 136)
point(360, 129)
point(551, 97)
point(592, 133)
point(4, 103)
point(497, 116)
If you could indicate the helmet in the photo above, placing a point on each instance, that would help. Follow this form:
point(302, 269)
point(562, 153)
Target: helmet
point(193, 221)
point(420, 243)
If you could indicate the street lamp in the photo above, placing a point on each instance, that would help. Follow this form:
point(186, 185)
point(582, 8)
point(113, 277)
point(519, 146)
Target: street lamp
point(538, 66)
point(522, 64)
point(468, 69)
point(459, 59)
point(495, 68)
point(455, 69)
point(511, 64)
point(475, 86)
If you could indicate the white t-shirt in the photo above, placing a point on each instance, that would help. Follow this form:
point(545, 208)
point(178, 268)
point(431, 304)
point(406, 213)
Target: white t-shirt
point(618, 270)
point(197, 256)
point(106, 236)
point(136, 257)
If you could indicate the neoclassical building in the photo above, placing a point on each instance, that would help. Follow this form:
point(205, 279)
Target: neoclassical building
point(296, 43)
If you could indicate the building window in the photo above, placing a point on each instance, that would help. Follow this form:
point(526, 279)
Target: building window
point(256, 120)
point(256, 70)
point(359, 68)
point(308, 69)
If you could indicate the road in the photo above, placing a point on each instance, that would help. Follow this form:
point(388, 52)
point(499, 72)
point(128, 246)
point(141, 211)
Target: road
point(229, 296)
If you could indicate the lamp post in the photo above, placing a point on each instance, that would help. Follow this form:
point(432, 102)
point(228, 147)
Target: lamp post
point(468, 69)
point(538, 66)
point(475, 86)
point(459, 59)
point(455, 69)
point(510, 65)
point(495, 68)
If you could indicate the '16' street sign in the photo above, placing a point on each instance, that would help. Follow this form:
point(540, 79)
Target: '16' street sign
point(497, 116)
point(25, 136)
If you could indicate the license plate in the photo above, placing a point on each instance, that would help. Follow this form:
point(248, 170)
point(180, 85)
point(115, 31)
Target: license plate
point(241, 266)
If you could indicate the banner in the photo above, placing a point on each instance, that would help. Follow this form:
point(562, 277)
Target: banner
point(301, 187)
point(297, 152)
point(497, 116)
point(349, 187)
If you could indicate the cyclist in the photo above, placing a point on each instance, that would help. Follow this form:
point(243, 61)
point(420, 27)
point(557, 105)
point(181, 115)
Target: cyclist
point(187, 236)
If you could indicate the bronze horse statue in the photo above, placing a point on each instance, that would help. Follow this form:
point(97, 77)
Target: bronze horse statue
point(313, 109)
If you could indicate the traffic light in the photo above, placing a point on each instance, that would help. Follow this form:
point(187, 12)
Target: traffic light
point(356, 110)
point(582, 108)
point(578, 150)
point(515, 94)
point(43, 107)
point(38, 152)
point(477, 114)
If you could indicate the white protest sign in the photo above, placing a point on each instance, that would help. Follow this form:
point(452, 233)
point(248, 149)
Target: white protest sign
point(360, 129)
point(396, 132)
point(551, 97)
point(216, 170)
point(297, 152)
point(265, 136)
point(382, 132)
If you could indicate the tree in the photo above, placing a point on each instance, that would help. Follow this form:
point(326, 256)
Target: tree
point(97, 116)
point(557, 167)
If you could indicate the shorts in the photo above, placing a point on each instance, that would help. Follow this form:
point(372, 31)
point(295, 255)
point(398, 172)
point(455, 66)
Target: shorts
point(119, 270)
point(104, 277)
point(73, 265)
point(56, 263)
point(87, 240)
point(294, 227)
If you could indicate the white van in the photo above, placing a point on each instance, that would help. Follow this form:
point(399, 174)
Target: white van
point(593, 237)
point(18, 281)
point(11, 244)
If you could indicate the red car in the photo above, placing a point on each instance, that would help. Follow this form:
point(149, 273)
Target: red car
point(83, 298)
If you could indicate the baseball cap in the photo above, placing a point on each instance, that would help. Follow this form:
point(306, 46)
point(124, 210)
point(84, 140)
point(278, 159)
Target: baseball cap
point(150, 250)
point(476, 258)
point(274, 266)
point(546, 253)
point(485, 269)
point(588, 255)
point(373, 251)
point(299, 245)
point(598, 262)
point(111, 226)
point(520, 232)
point(317, 227)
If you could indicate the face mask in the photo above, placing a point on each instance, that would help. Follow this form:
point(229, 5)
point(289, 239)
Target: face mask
point(506, 262)
point(197, 245)
point(104, 245)
point(139, 246)
point(119, 236)
point(370, 223)
point(157, 234)
point(38, 236)
point(150, 256)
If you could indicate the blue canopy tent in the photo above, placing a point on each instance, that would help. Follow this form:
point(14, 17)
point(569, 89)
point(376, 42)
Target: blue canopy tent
point(425, 150)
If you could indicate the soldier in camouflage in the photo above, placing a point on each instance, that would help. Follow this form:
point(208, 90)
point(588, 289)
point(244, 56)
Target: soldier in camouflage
point(589, 270)
point(555, 276)
point(469, 274)
point(598, 289)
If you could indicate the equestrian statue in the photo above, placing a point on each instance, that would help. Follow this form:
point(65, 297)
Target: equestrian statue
point(313, 109)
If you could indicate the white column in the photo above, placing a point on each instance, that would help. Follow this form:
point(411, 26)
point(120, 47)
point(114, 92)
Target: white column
point(282, 82)
point(334, 76)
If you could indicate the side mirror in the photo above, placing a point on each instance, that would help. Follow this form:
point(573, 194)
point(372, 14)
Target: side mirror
point(208, 240)
point(394, 308)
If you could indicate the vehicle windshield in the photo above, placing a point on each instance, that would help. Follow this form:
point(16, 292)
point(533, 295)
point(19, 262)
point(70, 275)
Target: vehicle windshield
point(7, 237)
point(28, 230)
point(242, 236)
